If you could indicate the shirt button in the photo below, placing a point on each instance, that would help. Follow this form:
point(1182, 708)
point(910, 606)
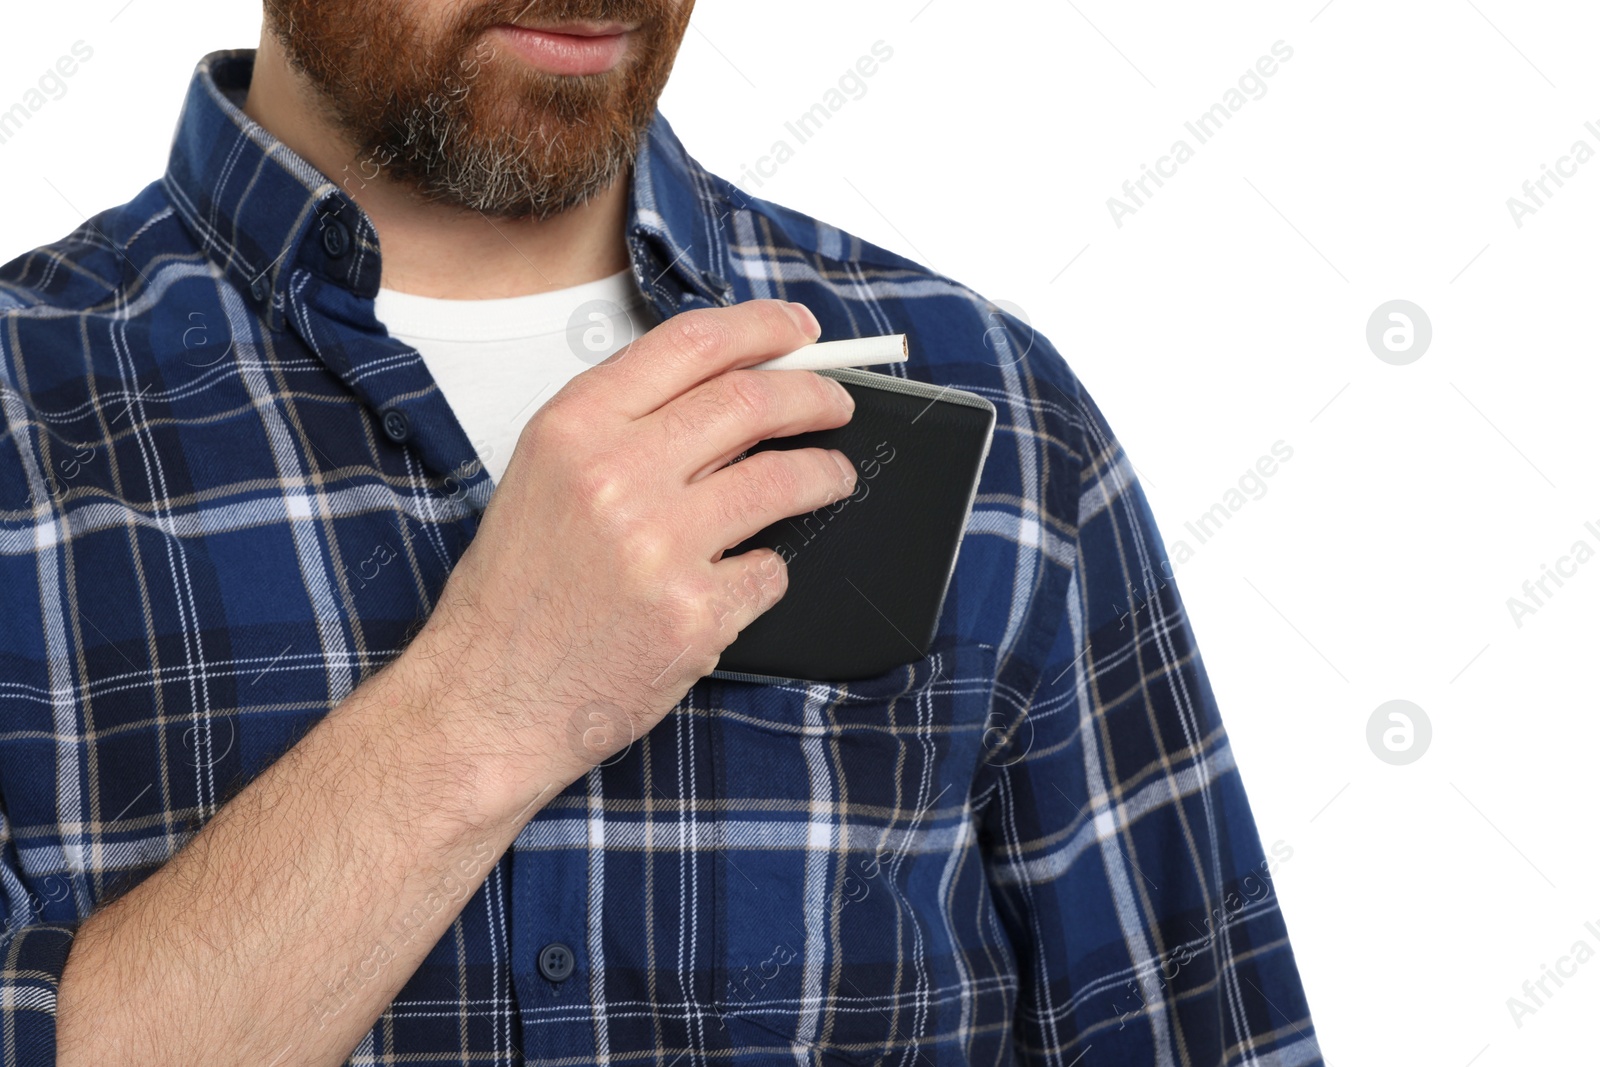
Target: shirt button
point(396, 426)
point(556, 962)
point(259, 290)
point(335, 238)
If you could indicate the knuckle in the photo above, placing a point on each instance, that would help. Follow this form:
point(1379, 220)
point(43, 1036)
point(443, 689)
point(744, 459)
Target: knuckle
point(769, 575)
point(776, 318)
point(741, 495)
point(744, 394)
point(687, 606)
point(645, 549)
point(682, 420)
point(560, 421)
point(600, 485)
point(776, 481)
point(815, 481)
point(699, 333)
point(700, 662)
point(750, 590)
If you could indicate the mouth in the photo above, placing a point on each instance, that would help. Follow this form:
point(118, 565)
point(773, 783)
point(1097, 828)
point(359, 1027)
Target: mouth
point(574, 48)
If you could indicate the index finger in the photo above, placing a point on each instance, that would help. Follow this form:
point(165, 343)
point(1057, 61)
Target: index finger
point(693, 347)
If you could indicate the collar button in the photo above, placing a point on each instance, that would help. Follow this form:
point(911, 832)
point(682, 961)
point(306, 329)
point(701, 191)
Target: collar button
point(335, 238)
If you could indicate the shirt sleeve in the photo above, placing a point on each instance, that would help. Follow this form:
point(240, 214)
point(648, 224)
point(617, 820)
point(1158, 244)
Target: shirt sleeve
point(1122, 856)
point(35, 933)
point(33, 955)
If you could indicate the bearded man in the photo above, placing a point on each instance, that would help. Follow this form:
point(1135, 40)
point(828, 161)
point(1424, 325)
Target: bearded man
point(366, 513)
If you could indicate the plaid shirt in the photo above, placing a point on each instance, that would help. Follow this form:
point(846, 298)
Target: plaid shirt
point(227, 496)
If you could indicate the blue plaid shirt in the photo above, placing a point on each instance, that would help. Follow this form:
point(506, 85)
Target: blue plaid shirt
point(1032, 845)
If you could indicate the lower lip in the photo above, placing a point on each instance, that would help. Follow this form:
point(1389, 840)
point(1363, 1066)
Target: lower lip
point(566, 53)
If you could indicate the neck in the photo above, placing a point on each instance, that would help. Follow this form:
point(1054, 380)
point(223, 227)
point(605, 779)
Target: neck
point(432, 249)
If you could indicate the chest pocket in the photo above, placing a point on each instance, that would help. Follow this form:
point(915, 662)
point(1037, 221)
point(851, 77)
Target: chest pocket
point(843, 837)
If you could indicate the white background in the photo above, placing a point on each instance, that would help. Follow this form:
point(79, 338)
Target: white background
point(1227, 314)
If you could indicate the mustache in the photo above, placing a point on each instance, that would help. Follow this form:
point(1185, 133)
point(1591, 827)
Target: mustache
point(647, 13)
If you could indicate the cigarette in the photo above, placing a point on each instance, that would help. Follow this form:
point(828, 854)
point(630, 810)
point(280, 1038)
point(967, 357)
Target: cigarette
point(856, 352)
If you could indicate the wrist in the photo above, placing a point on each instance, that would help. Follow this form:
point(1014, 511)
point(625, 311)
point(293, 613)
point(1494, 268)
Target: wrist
point(467, 734)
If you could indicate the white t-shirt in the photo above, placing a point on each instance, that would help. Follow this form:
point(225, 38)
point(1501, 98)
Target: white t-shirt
point(498, 361)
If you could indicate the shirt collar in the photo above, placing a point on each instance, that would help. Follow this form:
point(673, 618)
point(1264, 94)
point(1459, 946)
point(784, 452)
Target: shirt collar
point(258, 209)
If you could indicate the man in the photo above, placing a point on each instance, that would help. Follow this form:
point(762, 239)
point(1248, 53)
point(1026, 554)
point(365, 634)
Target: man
point(363, 594)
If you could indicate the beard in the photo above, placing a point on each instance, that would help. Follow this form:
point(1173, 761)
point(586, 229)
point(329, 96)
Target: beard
point(435, 107)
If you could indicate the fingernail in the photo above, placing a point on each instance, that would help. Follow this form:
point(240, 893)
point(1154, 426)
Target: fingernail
point(849, 398)
point(805, 320)
point(845, 469)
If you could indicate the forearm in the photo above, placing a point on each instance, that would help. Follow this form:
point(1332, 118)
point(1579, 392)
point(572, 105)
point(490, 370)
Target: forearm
point(290, 921)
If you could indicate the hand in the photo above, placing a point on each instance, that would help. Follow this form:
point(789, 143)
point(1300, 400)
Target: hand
point(596, 592)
